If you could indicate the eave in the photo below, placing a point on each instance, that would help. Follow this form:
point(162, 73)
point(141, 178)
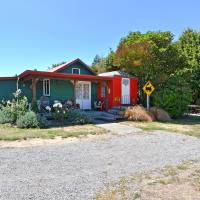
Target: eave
point(55, 75)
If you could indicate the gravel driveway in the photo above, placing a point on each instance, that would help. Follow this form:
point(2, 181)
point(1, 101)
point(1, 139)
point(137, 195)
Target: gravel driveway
point(79, 170)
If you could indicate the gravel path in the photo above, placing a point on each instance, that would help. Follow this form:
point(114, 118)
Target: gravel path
point(79, 170)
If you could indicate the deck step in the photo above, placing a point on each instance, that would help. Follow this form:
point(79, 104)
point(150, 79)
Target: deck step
point(115, 112)
point(106, 116)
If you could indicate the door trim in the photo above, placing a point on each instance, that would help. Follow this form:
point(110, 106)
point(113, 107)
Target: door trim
point(81, 101)
point(125, 93)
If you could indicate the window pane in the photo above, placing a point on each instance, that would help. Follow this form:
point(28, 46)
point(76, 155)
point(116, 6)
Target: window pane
point(86, 91)
point(46, 87)
point(78, 91)
point(103, 91)
point(75, 71)
point(47, 92)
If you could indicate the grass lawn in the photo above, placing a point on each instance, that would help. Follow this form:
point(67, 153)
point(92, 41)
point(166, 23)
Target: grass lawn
point(11, 133)
point(187, 125)
point(180, 182)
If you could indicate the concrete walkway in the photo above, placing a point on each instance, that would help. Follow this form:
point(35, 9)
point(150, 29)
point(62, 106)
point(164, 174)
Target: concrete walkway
point(119, 129)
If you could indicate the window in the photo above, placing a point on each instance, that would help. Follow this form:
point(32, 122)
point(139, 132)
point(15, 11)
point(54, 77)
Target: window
point(46, 87)
point(75, 71)
point(86, 91)
point(103, 91)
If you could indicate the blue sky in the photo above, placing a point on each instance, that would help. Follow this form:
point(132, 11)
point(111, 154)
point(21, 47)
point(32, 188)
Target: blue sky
point(37, 33)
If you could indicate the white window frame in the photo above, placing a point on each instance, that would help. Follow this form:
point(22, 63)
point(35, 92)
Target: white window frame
point(103, 91)
point(44, 86)
point(76, 68)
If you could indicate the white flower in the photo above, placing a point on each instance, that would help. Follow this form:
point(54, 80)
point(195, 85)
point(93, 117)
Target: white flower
point(17, 93)
point(48, 108)
point(57, 105)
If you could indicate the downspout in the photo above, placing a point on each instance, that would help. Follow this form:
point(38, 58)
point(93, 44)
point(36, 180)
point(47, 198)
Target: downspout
point(17, 87)
point(17, 83)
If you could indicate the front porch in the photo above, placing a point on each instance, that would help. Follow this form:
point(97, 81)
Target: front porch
point(82, 90)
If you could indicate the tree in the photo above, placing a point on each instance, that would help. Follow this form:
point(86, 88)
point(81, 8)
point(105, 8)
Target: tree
point(99, 64)
point(189, 46)
point(174, 97)
point(97, 60)
point(55, 65)
point(149, 56)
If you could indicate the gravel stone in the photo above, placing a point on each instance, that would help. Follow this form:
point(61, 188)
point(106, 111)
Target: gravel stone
point(79, 170)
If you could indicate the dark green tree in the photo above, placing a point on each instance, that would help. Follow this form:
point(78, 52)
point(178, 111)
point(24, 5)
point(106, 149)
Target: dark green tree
point(189, 46)
point(99, 64)
point(97, 60)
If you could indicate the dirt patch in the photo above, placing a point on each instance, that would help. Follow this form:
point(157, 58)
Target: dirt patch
point(180, 182)
point(183, 191)
point(42, 142)
point(85, 128)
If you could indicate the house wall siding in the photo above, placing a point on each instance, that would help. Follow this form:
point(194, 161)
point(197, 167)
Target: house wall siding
point(61, 90)
point(7, 88)
point(83, 69)
point(94, 93)
point(26, 89)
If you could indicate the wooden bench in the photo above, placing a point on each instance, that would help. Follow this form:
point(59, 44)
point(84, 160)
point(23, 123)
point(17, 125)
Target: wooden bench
point(194, 108)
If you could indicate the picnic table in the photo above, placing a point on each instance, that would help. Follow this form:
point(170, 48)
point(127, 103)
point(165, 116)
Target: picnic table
point(194, 108)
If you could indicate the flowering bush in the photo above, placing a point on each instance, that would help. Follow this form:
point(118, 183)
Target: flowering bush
point(7, 115)
point(12, 110)
point(60, 112)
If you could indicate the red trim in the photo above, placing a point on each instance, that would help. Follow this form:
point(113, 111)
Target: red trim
point(133, 91)
point(62, 75)
point(67, 64)
point(7, 78)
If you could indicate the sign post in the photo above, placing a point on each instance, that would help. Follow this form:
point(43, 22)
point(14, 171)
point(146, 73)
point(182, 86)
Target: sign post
point(148, 89)
point(148, 102)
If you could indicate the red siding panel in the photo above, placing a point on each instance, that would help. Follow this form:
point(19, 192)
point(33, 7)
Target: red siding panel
point(133, 91)
point(117, 91)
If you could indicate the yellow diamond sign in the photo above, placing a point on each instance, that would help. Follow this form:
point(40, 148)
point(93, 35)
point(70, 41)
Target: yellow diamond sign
point(148, 88)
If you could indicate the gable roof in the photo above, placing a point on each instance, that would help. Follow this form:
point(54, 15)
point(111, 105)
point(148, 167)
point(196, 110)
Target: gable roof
point(67, 64)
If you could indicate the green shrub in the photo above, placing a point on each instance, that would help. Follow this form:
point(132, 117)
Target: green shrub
point(174, 97)
point(11, 110)
point(42, 121)
point(29, 120)
point(78, 117)
point(7, 115)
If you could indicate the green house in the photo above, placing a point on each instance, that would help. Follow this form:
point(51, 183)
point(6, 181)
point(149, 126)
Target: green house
point(69, 81)
point(72, 81)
